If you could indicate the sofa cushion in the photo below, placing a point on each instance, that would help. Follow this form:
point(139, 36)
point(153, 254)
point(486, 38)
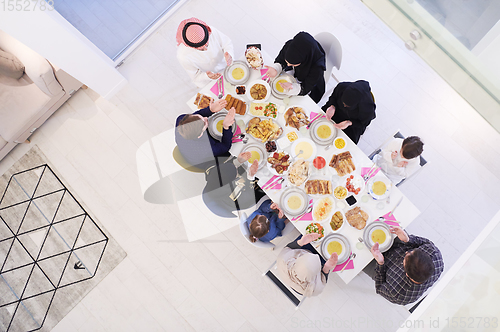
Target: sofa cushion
point(10, 66)
point(19, 107)
point(36, 66)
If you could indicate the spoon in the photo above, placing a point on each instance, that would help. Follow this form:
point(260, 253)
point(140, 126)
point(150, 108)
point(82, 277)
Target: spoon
point(219, 86)
point(329, 146)
point(352, 256)
point(300, 152)
point(383, 219)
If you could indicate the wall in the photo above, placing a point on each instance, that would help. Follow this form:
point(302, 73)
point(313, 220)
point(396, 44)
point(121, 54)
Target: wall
point(49, 34)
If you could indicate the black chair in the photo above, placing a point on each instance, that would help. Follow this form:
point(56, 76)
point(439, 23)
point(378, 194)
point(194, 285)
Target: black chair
point(423, 162)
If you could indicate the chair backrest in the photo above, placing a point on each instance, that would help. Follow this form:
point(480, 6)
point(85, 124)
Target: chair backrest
point(296, 298)
point(333, 50)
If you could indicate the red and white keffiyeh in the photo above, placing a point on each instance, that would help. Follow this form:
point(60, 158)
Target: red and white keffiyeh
point(194, 33)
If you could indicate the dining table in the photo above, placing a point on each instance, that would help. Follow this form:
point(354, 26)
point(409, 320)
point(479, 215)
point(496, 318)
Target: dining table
point(405, 213)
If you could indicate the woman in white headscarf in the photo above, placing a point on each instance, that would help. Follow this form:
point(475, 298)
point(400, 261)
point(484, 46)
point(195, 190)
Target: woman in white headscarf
point(302, 269)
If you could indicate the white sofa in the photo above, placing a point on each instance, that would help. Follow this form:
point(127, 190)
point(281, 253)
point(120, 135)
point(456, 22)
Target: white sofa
point(26, 103)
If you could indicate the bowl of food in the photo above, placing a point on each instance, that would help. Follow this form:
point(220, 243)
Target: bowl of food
point(339, 143)
point(378, 232)
point(340, 192)
point(299, 172)
point(307, 147)
point(323, 209)
point(336, 243)
point(254, 57)
point(337, 221)
point(278, 162)
point(379, 187)
point(264, 129)
point(258, 91)
point(296, 117)
point(258, 152)
point(293, 201)
point(237, 73)
point(271, 146)
point(215, 124)
point(322, 131)
point(354, 183)
point(316, 228)
point(277, 89)
point(268, 110)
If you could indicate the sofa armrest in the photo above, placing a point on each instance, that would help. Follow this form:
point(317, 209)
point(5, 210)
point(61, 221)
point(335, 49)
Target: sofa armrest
point(37, 68)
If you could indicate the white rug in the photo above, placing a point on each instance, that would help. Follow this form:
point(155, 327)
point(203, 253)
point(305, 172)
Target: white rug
point(52, 250)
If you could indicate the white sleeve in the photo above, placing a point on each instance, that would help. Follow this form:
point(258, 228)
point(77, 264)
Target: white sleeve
point(225, 42)
point(198, 76)
point(295, 90)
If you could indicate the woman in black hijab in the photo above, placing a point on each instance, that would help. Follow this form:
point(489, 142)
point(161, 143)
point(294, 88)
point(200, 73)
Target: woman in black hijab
point(306, 56)
point(352, 107)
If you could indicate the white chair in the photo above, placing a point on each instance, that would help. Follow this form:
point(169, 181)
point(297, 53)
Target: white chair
point(296, 298)
point(423, 162)
point(333, 50)
point(243, 215)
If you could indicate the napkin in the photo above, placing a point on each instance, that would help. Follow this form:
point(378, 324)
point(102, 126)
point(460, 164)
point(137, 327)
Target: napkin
point(365, 170)
point(236, 133)
point(350, 266)
point(389, 218)
point(314, 114)
point(215, 88)
point(276, 186)
point(270, 181)
point(305, 217)
point(263, 72)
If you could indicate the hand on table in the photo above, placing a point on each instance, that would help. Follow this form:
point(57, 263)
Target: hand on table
point(330, 111)
point(229, 58)
point(377, 254)
point(343, 124)
point(253, 168)
point(275, 206)
point(217, 105)
point(287, 86)
point(271, 72)
point(308, 238)
point(213, 76)
point(331, 263)
point(402, 164)
point(401, 234)
point(229, 119)
point(244, 156)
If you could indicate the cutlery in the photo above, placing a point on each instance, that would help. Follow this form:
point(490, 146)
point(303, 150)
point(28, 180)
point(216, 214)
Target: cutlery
point(366, 177)
point(329, 146)
point(300, 152)
point(394, 208)
point(314, 119)
point(276, 183)
point(352, 256)
point(273, 183)
point(307, 211)
point(384, 219)
point(219, 86)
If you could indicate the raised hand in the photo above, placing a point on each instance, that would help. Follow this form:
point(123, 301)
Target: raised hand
point(377, 254)
point(400, 233)
point(287, 86)
point(275, 206)
point(213, 76)
point(402, 164)
point(271, 72)
point(331, 263)
point(330, 111)
point(308, 238)
point(343, 124)
point(244, 156)
point(229, 119)
point(217, 105)
point(229, 58)
point(253, 168)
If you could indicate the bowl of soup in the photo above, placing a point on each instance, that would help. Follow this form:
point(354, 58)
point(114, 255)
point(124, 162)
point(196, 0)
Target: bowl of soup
point(379, 187)
point(378, 232)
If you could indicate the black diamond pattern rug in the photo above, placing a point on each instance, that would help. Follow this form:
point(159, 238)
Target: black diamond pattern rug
point(49, 245)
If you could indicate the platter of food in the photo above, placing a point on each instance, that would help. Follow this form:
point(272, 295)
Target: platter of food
point(337, 221)
point(307, 147)
point(277, 89)
point(299, 172)
point(322, 131)
point(239, 105)
point(356, 217)
point(254, 57)
point(318, 187)
point(342, 163)
point(294, 201)
point(323, 209)
point(215, 126)
point(296, 117)
point(379, 187)
point(237, 73)
point(315, 227)
point(202, 101)
point(258, 91)
point(380, 232)
point(354, 183)
point(264, 129)
point(258, 152)
point(264, 109)
point(278, 162)
point(337, 243)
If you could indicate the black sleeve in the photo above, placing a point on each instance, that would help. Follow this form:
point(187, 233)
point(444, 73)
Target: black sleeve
point(315, 73)
point(294, 245)
point(335, 96)
point(281, 56)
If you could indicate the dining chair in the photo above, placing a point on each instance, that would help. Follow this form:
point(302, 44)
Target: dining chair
point(423, 161)
point(296, 298)
point(179, 159)
point(333, 50)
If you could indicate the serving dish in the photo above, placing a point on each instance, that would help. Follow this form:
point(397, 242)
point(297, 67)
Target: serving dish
point(254, 85)
point(306, 145)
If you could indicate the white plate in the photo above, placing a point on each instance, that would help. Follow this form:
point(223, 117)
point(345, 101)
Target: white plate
point(264, 104)
point(291, 194)
point(316, 125)
point(261, 82)
point(370, 228)
point(272, 170)
point(229, 71)
point(257, 150)
point(307, 146)
point(306, 111)
point(362, 207)
point(329, 159)
point(307, 177)
point(344, 242)
point(272, 138)
point(316, 206)
point(261, 59)
point(284, 76)
point(388, 185)
point(358, 179)
point(213, 120)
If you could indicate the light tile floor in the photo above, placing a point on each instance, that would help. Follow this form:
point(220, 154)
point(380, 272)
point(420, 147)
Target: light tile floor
point(169, 284)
